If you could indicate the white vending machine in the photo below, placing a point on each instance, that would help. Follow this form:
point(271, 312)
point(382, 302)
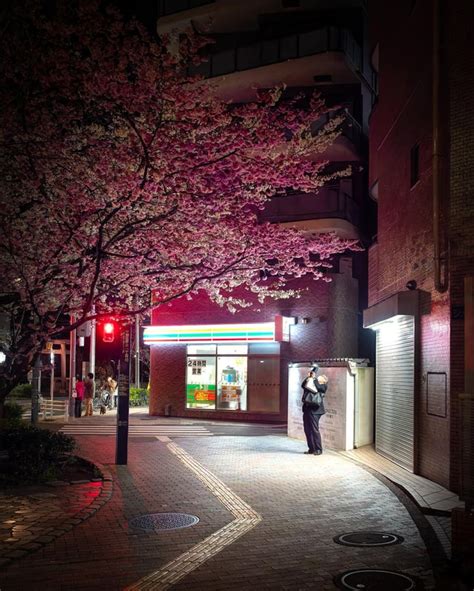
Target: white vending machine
point(349, 402)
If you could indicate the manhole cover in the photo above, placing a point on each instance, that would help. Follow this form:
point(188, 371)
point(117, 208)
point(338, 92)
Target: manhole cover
point(159, 521)
point(368, 538)
point(374, 580)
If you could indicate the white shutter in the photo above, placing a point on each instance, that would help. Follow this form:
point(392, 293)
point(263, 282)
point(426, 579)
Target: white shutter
point(395, 374)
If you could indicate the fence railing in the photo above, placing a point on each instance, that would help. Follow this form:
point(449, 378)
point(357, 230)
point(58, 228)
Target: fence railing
point(351, 128)
point(269, 51)
point(331, 202)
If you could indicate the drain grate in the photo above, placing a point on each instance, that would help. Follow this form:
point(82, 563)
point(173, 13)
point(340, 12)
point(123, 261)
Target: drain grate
point(162, 521)
point(368, 538)
point(374, 580)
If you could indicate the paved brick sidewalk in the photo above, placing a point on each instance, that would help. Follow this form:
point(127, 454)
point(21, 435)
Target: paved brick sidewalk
point(304, 501)
point(36, 515)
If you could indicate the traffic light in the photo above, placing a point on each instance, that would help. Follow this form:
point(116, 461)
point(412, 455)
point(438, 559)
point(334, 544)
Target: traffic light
point(109, 332)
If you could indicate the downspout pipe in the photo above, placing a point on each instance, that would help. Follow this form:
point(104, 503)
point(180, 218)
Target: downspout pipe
point(439, 160)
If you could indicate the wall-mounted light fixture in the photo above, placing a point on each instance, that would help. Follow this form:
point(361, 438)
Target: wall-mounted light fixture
point(305, 320)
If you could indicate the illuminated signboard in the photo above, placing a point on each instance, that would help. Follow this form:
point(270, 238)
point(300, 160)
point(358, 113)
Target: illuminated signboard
point(261, 332)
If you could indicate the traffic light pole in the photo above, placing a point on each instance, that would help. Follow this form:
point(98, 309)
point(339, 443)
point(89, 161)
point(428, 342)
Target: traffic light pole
point(124, 368)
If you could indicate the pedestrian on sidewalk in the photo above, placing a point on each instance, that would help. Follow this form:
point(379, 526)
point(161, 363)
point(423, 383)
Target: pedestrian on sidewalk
point(314, 389)
point(89, 393)
point(80, 387)
point(112, 389)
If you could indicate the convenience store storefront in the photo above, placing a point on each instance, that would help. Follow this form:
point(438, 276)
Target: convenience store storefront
point(206, 362)
point(228, 367)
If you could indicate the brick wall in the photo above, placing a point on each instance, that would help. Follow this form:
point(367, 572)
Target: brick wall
point(331, 331)
point(460, 23)
point(404, 249)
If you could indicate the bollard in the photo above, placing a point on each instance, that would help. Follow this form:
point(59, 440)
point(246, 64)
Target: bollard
point(36, 390)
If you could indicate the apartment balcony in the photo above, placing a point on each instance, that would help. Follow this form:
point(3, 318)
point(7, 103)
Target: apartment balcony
point(330, 210)
point(351, 145)
point(327, 51)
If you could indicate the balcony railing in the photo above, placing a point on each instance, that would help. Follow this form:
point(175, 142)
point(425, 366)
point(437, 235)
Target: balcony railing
point(166, 7)
point(351, 128)
point(270, 51)
point(330, 203)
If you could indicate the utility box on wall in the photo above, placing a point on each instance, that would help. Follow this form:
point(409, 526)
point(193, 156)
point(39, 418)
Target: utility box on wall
point(349, 402)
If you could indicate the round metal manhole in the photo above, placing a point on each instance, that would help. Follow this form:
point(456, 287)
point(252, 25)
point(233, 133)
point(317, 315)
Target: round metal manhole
point(374, 580)
point(162, 521)
point(368, 538)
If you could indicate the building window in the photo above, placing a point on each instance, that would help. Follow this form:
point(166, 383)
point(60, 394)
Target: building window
point(414, 165)
point(233, 377)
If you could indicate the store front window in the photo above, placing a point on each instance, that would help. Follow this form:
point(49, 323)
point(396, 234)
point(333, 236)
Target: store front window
point(201, 377)
point(219, 376)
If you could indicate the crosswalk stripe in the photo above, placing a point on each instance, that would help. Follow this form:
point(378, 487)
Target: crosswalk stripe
point(139, 430)
point(132, 428)
point(154, 434)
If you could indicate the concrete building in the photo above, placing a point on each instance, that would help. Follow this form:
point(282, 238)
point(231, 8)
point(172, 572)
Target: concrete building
point(421, 267)
point(206, 362)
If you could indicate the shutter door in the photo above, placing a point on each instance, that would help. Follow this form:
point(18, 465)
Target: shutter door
point(395, 373)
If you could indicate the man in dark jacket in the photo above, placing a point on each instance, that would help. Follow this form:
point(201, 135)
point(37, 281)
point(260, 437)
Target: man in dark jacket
point(312, 411)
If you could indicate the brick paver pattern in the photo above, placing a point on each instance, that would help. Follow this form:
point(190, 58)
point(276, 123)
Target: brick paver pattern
point(39, 514)
point(303, 500)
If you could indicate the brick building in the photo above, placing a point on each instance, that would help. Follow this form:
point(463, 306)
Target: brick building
point(421, 175)
point(303, 44)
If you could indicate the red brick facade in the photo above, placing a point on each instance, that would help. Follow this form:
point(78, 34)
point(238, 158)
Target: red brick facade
point(331, 331)
point(404, 250)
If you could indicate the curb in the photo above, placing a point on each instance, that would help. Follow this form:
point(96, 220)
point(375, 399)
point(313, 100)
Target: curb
point(438, 558)
point(50, 535)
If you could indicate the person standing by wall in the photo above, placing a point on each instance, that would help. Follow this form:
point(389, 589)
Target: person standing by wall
point(314, 390)
point(89, 393)
point(80, 387)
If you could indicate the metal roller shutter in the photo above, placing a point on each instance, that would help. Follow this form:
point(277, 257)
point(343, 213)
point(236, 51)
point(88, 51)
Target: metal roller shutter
point(395, 350)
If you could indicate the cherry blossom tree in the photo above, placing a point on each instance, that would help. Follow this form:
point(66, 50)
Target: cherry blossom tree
point(123, 176)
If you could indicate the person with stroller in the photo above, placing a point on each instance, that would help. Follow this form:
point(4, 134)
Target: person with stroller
point(103, 397)
point(112, 390)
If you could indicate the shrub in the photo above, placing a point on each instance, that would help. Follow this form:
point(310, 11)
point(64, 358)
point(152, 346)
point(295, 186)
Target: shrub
point(21, 391)
point(138, 397)
point(33, 454)
point(12, 412)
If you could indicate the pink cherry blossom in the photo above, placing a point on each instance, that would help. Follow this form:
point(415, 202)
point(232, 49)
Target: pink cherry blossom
point(123, 176)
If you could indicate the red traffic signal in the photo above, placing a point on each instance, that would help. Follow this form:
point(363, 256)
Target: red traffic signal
point(109, 332)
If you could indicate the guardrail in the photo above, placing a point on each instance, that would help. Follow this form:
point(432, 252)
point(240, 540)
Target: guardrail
point(50, 409)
